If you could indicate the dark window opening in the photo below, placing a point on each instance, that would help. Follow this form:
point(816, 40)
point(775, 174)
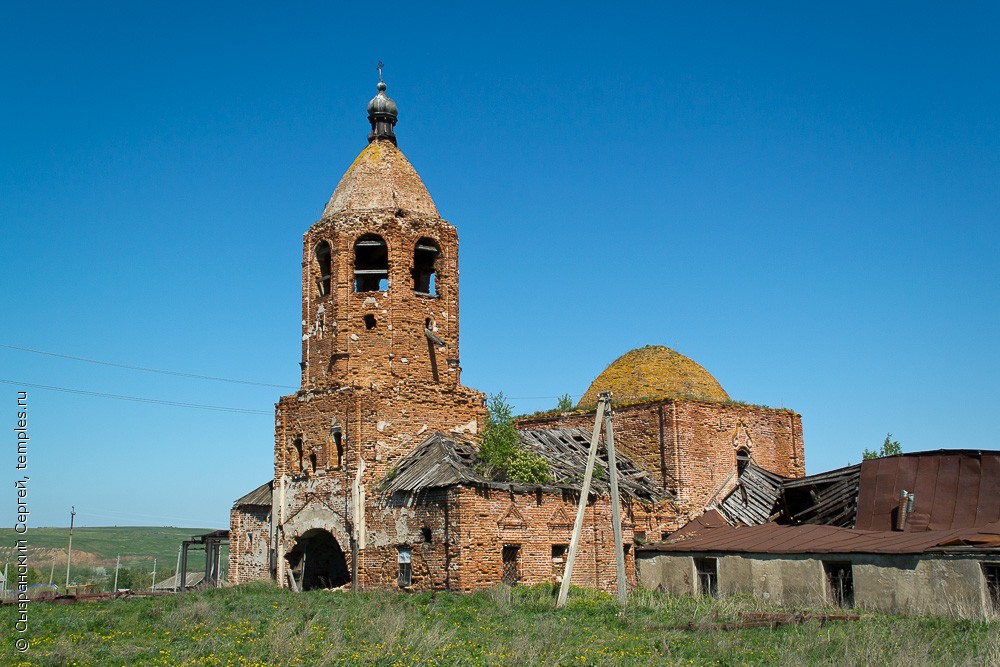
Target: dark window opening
point(559, 552)
point(510, 557)
point(425, 255)
point(742, 460)
point(297, 444)
point(371, 264)
point(839, 583)
point(425, 532)
point(325, 264)
point(369, 322)
point(338, 441)
point(312, 462)
point(992, 573)
point(708, 576)
point(405, 577)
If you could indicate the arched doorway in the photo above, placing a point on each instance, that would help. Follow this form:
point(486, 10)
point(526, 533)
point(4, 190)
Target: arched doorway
point(317, 561)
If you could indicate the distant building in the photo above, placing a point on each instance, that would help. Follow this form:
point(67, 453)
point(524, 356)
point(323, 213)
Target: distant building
point(915, 533)
point(381, 393)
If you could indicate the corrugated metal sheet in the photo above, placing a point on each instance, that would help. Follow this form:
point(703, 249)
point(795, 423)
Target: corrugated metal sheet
point(953, 489)
point(711, 534)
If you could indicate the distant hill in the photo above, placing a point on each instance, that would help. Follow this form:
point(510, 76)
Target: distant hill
point(98, 547)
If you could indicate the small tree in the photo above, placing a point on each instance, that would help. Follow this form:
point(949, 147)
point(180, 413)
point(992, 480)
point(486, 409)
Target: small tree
point(565, 403)
point(889, 448)
point(501, 454)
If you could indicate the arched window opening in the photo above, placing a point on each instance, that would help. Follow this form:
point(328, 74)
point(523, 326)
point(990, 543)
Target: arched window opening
point(325, 264)
point(338, 440)
point(425, 255)
point(312, 462)
point(371, 264)
point(742, 460)
point(297, 445)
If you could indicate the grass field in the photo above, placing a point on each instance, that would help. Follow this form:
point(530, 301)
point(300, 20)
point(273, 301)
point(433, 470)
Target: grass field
point(259, 624)
point(95, 550)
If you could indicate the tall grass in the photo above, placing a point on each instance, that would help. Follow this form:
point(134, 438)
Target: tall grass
point(260, 624)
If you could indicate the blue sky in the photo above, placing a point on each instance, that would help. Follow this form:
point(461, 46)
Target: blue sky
point(804, 199)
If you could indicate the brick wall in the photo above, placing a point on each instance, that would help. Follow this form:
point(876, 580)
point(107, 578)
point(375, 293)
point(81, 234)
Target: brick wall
point(691, 446)
point(249, 544)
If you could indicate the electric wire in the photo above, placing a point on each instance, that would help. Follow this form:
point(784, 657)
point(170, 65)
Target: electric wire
point(137, 399)
point(144, 368)
point(161, 371)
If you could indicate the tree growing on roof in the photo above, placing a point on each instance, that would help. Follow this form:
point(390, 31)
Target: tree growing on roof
point(565, 403)
point(889, 448)
point(501, 455)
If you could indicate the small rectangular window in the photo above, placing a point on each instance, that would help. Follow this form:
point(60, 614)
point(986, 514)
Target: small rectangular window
point(839, 583)
point(992, 573)
point(405, 578)
point(510, 555)
point(708, 576)
point(559, 552)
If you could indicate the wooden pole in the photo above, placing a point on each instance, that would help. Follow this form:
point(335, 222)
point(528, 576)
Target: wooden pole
point(616, 510)
point(69, 552)
point(152, 586)
point(118, 562)
point(177, 572)
point(279, 534)
point(581, 509)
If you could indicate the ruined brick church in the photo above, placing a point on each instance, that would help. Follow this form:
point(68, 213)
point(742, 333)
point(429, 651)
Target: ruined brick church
point(375, 476)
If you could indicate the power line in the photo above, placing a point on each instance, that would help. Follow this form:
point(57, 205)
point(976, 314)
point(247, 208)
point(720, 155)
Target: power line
point(137, 399)
point(187, 375)
point(145, 369)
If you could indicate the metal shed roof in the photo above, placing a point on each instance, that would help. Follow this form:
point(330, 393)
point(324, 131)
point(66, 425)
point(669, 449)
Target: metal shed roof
point(952, 489)
point(712, 534)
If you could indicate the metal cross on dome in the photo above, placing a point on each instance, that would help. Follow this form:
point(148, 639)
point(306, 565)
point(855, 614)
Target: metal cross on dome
point(379, 68)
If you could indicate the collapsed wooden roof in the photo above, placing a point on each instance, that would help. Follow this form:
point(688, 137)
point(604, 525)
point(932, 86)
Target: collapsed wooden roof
point(259, 497)
point(447, 460)
point(955, 497)
point(830, 498)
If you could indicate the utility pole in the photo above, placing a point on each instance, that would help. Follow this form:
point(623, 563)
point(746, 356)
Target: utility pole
point(153, 585)
point(52, 571)
point(177, 572)
point(616, 509)
point(69, 552)
point(581, 510)
point(603, 417)
point(118, 562)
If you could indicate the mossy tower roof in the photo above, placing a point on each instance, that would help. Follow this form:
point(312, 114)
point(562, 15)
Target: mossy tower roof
point(381, 178)
point(654, 372)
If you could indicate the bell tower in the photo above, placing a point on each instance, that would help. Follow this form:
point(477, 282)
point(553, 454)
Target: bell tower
point(380, 275)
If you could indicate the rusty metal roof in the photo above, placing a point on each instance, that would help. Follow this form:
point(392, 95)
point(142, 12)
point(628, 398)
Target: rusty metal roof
point(956, 508)
point(952, 489)
point(709, 534)
point(446, 460)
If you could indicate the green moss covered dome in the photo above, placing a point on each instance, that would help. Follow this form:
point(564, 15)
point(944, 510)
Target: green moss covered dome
point(654, 372)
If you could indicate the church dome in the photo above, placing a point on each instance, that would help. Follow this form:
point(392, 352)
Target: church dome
point(382, 103)
point(381, 178)
point(654, 372)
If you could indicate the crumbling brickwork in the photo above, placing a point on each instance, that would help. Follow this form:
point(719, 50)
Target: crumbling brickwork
point(249, 543)
point(380, 371)
point(693, 446)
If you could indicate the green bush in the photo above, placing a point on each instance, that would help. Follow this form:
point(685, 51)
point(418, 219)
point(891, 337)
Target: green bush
point(501, 454)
